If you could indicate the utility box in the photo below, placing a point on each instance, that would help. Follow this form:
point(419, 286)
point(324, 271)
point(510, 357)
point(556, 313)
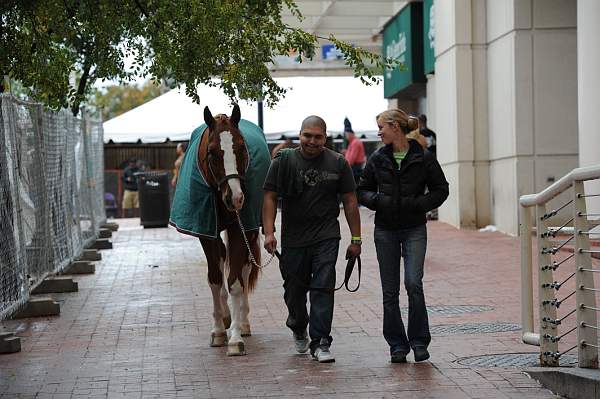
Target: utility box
point(153, 190)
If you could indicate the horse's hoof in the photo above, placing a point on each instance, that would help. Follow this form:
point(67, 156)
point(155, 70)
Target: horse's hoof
point(245, 331)
point(227, 322)
point(236, 349)
point(218, 339)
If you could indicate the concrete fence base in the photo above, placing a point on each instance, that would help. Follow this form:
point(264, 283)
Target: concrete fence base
point(38, 307)
point(9, 343)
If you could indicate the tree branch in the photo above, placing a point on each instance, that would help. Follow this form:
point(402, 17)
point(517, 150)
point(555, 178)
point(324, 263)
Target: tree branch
point(142, 9)
point(81, 88)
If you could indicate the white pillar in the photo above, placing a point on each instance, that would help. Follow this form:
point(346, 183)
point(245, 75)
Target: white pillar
point(588, 84)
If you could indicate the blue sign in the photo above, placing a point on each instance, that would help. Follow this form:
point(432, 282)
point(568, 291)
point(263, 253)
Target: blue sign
point(331, 53)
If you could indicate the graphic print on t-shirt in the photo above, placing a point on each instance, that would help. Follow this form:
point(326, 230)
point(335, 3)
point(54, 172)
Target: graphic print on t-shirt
point(312, 177)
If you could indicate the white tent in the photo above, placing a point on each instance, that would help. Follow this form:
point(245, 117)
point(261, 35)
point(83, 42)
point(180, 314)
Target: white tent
point(173, 115)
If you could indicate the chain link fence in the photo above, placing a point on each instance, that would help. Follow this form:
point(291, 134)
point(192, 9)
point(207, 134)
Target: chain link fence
point(51, 194)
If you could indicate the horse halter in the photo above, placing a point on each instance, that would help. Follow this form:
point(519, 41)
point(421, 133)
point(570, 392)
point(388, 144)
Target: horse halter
point(224, 179)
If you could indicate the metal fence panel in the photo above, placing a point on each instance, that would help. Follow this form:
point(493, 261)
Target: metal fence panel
point(51, 195)
point(13, 286)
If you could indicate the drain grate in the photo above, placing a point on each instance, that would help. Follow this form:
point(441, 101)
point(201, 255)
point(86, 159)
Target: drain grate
point(474, 328)
point(451, 310)
point(521, 360)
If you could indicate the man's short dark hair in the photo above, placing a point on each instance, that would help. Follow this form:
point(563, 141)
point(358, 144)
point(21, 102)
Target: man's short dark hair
point(314, 121)
point(423, 118)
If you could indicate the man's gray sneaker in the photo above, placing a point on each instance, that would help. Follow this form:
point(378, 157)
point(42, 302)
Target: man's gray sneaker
point(301, 342)
point(323, 355)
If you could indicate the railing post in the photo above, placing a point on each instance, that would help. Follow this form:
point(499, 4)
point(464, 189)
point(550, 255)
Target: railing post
point(585, 297)
point(546, 293)
point(526, 273)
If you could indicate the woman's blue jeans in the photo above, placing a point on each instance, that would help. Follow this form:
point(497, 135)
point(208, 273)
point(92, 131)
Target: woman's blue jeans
point(391, 246)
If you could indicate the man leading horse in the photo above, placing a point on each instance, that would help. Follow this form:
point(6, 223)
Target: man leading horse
point(309, 180)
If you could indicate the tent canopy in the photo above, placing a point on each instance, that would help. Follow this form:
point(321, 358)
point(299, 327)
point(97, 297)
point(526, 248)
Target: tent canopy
point(173, 116)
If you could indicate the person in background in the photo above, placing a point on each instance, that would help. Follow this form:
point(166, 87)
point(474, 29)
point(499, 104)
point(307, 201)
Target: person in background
point(355, 153)
point(431, 145)
point(131, 203)
point(393, 185)
point(417, 136)
point(181, 149)
point(308, 180)
point(287, 143)
point(429, 134)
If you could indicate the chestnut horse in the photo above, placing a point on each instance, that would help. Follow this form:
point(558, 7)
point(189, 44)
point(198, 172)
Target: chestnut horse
point(231, 163)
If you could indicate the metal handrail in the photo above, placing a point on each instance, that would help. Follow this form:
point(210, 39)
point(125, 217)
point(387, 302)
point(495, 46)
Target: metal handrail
point(561, 185)
point(585, 299)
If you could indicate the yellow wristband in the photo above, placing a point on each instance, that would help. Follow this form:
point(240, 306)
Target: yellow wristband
point(356, 238)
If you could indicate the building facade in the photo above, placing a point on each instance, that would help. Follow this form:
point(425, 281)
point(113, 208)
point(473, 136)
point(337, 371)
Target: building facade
point(503, 99)
point(511, 88)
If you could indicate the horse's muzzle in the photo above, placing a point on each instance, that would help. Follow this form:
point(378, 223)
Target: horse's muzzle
point(233, 203)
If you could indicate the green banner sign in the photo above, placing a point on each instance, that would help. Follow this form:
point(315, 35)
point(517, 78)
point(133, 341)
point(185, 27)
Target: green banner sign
point(403, 40)
point(428, 36)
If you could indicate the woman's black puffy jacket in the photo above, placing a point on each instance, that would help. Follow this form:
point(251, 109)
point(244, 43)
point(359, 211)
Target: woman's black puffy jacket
point(398, 195)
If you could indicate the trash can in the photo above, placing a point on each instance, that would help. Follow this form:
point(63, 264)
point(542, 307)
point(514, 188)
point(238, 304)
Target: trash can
point(153, 190)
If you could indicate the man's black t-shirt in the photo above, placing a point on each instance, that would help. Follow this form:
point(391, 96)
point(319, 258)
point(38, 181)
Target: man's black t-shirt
point(312, 215)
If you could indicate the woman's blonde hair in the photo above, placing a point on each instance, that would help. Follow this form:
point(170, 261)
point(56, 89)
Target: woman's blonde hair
point(406, 122)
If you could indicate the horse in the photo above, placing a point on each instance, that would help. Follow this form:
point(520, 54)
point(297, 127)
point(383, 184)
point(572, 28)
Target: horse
point(219, 192)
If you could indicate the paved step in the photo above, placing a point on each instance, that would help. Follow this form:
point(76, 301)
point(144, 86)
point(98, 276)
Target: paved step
point(573, 383)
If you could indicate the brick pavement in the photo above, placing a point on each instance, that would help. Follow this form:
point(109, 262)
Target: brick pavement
point(139, 328)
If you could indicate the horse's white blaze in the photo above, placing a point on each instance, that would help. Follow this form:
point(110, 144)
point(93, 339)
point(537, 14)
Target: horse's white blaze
point(231, 166)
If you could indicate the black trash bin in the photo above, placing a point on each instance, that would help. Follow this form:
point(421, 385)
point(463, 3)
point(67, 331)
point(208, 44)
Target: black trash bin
point(154, 198)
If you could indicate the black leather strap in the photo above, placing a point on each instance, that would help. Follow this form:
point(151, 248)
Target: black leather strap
point(347, 275)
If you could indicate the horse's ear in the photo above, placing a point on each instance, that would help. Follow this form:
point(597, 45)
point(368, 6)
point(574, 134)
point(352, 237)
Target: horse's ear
point(208, 118)
point(235, 115)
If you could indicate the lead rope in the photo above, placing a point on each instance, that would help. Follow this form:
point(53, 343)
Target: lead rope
point(250, 255)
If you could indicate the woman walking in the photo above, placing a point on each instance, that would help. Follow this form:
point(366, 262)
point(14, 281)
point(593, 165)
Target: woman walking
point(394, 184)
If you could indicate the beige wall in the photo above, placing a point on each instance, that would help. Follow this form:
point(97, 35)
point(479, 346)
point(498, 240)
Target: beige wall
point(588, 65)
point(505, 103)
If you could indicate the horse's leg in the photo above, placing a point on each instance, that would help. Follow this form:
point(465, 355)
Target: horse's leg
point(249, 280)
point(224, 297)
point(213, 250)
point(236, 346)
point(224, 292)
point(244, 304)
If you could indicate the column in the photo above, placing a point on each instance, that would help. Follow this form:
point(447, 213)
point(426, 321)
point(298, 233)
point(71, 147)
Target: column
point(588, 84)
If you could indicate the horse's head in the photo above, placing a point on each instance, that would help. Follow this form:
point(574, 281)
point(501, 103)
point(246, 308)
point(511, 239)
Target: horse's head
point(227, 157)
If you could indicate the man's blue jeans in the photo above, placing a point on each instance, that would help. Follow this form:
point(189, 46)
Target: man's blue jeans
point(391, 246)
point(314, 267)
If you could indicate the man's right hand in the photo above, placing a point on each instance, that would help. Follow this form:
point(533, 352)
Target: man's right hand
point(270, 243)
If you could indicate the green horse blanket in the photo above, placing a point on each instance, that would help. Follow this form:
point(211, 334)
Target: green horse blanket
point(193, 211)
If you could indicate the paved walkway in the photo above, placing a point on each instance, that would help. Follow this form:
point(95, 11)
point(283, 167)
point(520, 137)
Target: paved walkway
point(139, 328)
